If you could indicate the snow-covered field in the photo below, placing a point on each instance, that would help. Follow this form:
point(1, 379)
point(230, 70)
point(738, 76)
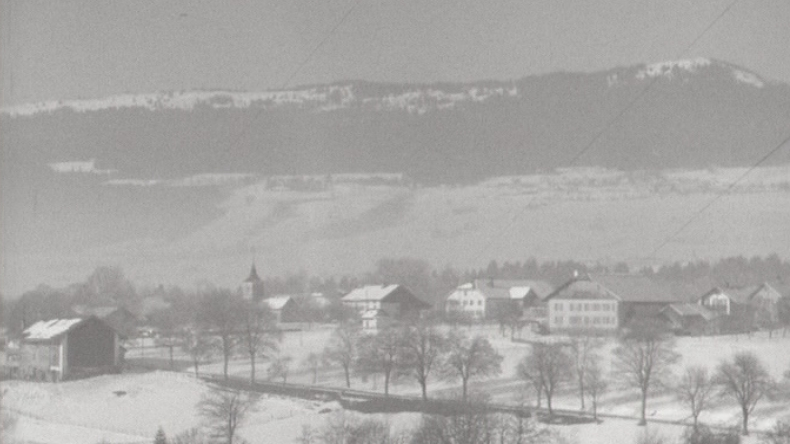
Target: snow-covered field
point(129, 408)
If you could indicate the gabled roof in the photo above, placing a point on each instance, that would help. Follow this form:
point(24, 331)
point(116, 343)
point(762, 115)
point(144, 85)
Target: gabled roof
point(740, 295)
point(636, 288)
point(370, 293)
point(47, 330)
point(503, 289)
point(519, 288)
point(276, 302)
point(582, 288)
point(691, 310)
point(623, 287)
point(253, 277)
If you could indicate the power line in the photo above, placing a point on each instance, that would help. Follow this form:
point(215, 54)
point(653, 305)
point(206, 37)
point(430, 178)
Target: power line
point(729, 188)
point(298, 68)
point(609, 124)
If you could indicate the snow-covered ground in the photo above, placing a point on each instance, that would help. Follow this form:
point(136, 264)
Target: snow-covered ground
point(129, 408)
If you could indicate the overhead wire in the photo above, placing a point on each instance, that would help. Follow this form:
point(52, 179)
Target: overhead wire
point(605, 128)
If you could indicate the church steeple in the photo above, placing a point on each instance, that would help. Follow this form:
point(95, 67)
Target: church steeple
point(252, 287)
point(253, 275)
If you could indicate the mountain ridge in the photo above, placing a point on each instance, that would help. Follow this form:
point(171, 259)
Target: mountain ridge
point(323, 93)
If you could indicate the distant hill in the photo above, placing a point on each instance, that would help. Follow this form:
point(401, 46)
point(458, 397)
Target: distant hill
point(696, 113)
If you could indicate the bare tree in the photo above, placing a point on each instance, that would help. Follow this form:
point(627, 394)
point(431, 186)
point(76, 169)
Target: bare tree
point(469, 358)
point(746, 380)
point(423, 348)
point(198, 346)
point(342, 348)
point(225, 410)
point(547, 365)
point(221, 313)
point(583, 346)
point(313, 363)
point(644, 358)
point(381, 353)
point(595, 383)
point(259, 334)
point(695, 388)
point(279, 368)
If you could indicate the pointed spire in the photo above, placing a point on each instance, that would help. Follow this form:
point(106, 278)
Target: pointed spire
point(253, 275)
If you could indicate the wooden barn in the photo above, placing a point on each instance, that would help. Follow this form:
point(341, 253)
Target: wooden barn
point(61, 349)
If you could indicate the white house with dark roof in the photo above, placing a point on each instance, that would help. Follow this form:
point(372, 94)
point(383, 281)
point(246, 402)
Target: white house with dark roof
point(488, 298)
point(396, 300)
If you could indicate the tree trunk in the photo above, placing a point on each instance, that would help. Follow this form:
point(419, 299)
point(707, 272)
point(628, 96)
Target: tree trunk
point(595, 408)
point(539, 393)
point(171, 356)
point(348, 376)
point(642, 418)
point(196, 367)
point(252, 368)
point(581, 389)
point(424, 386)
point(548, 404)
point(745, 421)
point(226, 358)
point(315, 376)
point(463, 390)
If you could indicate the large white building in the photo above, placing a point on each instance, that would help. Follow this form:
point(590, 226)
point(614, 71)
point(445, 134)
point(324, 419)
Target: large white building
point(606, 302)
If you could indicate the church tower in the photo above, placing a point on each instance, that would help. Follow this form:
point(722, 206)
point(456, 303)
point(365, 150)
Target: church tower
point(252, 287)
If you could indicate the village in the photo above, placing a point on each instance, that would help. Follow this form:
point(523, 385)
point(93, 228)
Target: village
point(525, 346)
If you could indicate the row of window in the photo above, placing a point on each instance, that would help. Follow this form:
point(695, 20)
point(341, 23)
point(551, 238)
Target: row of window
point(586, 320)
point(585, 306)
point(469, 303)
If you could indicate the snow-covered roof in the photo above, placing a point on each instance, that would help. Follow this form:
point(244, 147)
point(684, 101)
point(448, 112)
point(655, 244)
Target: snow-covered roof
point(370, 293)
point(276, 302)
point(46, 330)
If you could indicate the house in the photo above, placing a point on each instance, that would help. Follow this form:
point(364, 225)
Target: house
point(397, 301)
point(490, 298)
point(61, 349)
point(252, 287)
point(744, 307)
point(690, 319)
point(283, 307)
point(606, 302)
point(119, 318)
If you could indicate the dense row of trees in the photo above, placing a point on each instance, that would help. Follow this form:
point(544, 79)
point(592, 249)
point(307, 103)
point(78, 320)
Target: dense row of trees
point(418, 351)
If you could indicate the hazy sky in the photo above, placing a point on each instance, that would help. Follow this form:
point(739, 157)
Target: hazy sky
point(69, 49)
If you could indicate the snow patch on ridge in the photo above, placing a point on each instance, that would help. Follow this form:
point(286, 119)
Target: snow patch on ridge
point(669, 68)
point(748, 78)
point(319, 98)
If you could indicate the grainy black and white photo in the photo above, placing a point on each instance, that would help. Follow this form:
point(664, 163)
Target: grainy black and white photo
point(395, 222)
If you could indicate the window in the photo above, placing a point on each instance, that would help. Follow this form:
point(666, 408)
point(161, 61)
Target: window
point(558, 306)
point(586, 307)
point(558, 320)
point(586, 320)
point(480, 302)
